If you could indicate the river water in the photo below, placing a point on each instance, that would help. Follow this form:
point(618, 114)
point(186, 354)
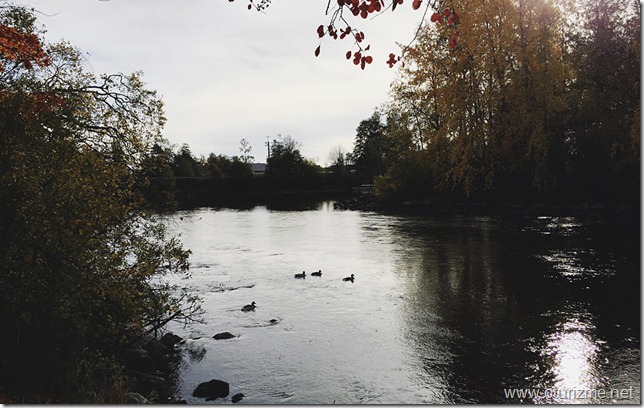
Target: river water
point(443, 309)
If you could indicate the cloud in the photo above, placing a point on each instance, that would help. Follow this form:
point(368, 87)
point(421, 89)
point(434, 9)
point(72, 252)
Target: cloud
point(226, 73)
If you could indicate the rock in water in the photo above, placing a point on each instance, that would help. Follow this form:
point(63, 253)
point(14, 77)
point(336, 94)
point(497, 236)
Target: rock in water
point(223, 336)
point(237, 397)
point(170, 339)
point(211, 390)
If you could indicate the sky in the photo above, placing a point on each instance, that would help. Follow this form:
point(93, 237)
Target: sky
point(226, 73)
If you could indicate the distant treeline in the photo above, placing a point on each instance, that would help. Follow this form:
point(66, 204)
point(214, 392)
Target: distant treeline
point(170, 179)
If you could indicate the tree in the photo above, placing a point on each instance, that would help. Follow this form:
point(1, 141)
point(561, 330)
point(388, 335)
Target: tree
point(604, 119)
point(285, 160)
point(490, 106)
point(337, 159)
point(286, 167)
point(185, 165)
point(370, 148)
point(157, 179)
point(245, 150)
point(532, 101)
point(82, 257)
point(234, 168)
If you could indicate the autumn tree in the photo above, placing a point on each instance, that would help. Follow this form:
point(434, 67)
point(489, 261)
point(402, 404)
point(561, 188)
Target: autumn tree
point(487, 107)
point(82, 259)
point(534, 99)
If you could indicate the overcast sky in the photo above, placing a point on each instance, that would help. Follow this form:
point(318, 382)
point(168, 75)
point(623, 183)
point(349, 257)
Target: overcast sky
point(226, 73)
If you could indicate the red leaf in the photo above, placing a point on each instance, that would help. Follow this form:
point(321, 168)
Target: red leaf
point(453, 41)
point(435, 17)
point(250, 6)
point(355, 3)
point(416, 4)
point(321, 31)
point(368, 59)
point(317, 51)
point(348, 54)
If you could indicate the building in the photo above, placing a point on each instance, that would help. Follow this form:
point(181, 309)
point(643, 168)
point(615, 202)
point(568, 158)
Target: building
point(258, 169)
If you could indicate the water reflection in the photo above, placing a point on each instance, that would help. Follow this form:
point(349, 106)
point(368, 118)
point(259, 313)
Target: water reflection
point(448, 309)
point(493, 306)
point(572, 353)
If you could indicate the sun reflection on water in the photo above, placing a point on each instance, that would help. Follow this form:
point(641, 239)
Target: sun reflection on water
point(572, 352)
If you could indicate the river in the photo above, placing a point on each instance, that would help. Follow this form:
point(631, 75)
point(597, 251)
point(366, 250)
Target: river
point(443, 309)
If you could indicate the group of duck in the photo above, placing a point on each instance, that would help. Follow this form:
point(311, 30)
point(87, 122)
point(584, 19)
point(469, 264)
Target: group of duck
point(251, 307)
point(319, 274)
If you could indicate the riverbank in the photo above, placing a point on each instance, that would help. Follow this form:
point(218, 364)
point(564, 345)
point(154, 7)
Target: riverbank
point(143, 372)
point(429, 207)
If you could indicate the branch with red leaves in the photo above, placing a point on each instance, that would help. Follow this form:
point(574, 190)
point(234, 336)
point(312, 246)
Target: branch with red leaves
point(339, 28)
point(20, 48)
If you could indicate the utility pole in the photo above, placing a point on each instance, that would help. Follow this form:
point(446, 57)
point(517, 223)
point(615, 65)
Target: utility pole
point(268, 147)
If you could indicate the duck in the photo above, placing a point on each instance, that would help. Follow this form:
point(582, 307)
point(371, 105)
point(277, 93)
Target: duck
point(348, 278)
point(301, 275)
point(248, 308)
point(318, 273)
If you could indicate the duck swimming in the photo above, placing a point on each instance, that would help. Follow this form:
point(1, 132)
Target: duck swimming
point(349, 278)
point(249, 308)
point(318, 273)
point(301, 275)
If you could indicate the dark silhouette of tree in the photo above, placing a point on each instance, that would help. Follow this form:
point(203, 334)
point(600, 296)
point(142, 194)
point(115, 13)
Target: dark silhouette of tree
point(370, 147)
point(235, 168)
point(185, 165)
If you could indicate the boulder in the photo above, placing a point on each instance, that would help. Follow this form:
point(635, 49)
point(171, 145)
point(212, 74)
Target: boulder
point(237, 397)
point(170, 339)
point(224, 336)
point(211, 390)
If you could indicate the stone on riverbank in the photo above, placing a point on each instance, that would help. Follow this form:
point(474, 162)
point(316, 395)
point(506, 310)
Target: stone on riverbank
point(224, 336)
point(237, 397)
point(211, 390)
point(170, 340)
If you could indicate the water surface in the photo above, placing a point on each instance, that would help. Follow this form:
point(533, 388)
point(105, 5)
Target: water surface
point(444, 309)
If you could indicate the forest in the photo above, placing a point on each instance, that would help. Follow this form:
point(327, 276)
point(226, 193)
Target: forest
point(517, 101)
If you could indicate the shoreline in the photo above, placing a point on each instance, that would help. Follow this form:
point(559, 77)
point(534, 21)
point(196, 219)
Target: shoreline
point(427, 207)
